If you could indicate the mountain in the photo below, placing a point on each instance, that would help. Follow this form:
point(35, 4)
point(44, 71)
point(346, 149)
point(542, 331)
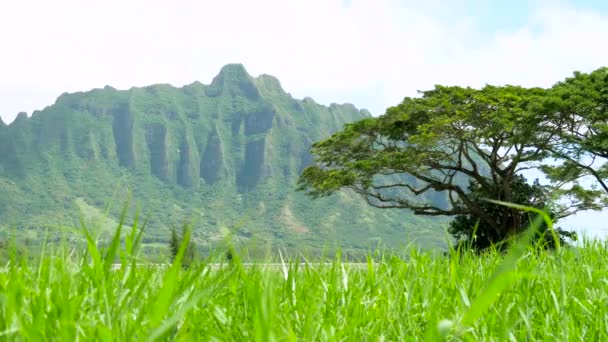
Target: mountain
point(224, 156)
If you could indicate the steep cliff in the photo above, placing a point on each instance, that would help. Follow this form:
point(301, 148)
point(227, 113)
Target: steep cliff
point(222, 155)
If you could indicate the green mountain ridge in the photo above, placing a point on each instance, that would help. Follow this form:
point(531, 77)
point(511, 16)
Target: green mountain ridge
point(224, 156)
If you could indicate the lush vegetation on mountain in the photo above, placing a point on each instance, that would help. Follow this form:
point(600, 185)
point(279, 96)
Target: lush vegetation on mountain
point(224, 156)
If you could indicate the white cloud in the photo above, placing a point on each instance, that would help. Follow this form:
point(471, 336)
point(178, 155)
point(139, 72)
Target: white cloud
point(317, 48)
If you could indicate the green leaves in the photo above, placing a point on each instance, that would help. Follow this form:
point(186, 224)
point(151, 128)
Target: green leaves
point(422, 154)
point(580, 112)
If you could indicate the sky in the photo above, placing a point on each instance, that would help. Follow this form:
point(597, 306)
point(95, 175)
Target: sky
point(371, 53)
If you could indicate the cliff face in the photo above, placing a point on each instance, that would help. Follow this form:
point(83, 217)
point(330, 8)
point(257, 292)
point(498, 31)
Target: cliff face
point(234, 146)
point(186, 136)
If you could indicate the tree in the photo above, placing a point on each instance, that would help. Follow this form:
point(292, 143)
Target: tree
point(175, 242)
point(581, 114)
point(471, 233)
point(437, 144)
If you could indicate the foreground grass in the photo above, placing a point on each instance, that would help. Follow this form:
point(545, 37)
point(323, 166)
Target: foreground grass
point(560, 295)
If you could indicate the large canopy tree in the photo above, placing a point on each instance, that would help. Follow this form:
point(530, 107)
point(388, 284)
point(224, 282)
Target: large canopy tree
point(440, 142)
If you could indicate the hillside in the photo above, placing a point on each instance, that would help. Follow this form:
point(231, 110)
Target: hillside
point(224, 156)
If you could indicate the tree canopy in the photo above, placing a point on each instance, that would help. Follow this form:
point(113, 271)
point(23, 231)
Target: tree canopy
point(435, 145)
point(582, 116)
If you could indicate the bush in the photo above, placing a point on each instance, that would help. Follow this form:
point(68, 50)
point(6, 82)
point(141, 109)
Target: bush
point(175, 242)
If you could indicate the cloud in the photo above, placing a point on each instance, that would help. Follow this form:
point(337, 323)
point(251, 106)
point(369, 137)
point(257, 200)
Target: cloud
point(369, 53)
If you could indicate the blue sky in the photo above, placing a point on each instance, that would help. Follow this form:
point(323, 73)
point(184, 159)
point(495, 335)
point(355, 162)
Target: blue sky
point(498, 15)
point(371, 53)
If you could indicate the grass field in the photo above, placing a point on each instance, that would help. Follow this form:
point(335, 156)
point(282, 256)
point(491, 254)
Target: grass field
point(524, 295)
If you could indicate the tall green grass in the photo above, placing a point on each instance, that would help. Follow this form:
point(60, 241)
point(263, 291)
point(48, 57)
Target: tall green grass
point(527, 294)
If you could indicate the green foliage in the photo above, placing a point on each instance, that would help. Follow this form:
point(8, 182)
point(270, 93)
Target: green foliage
point(175, 244)
point(581, 114)
point(11, 250)
point(205, 154)
point(432, 147)
point(470, 232)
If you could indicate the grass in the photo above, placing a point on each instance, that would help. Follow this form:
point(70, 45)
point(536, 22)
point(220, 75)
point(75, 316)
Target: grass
point(526, 295)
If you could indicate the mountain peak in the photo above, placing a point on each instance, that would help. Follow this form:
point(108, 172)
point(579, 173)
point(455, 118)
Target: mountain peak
point(21, 116)
point(2, 124)
point(233, 71)
point(270, 83)
point(233, 79)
